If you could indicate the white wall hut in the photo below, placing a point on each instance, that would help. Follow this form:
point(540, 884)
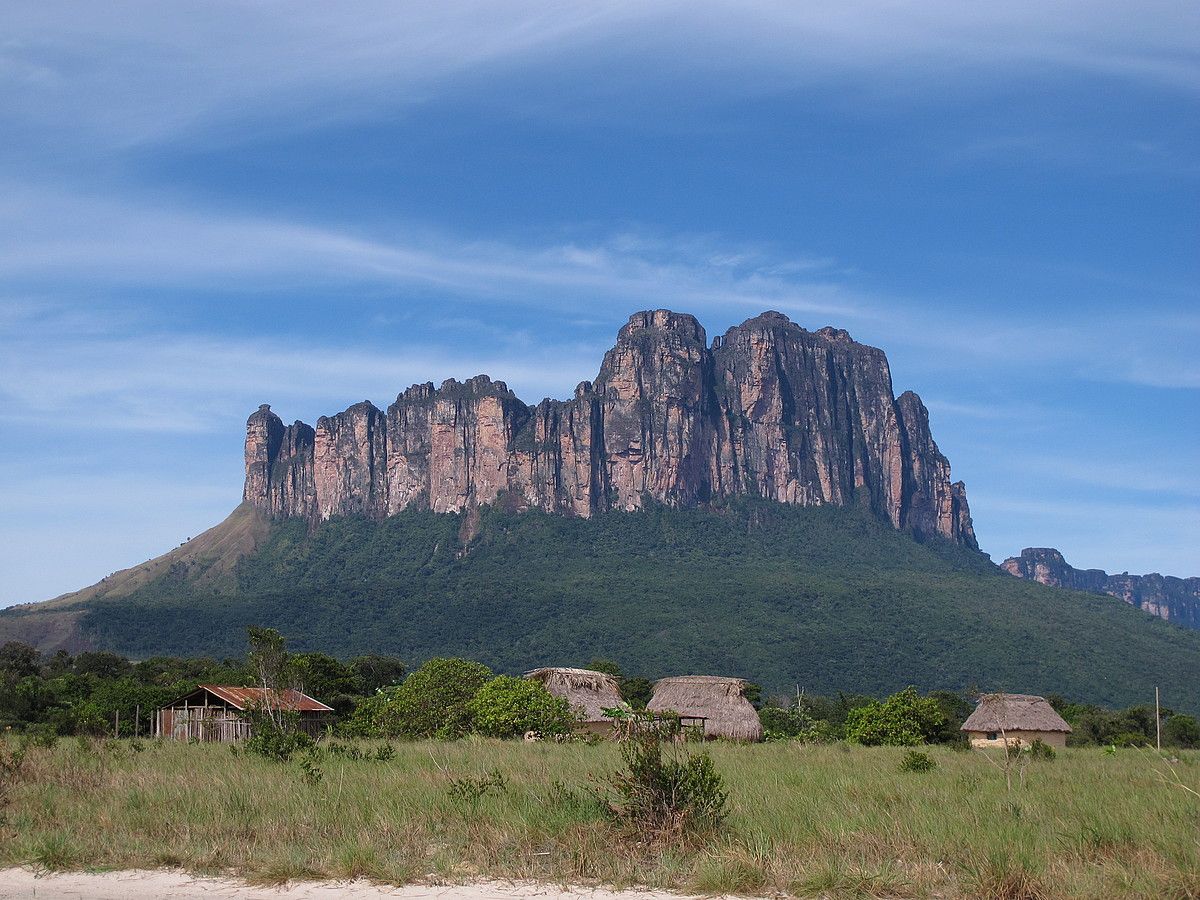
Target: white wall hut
point(1017, 719)
point(588, 692)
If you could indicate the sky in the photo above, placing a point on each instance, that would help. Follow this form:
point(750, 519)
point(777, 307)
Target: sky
point(208, 206)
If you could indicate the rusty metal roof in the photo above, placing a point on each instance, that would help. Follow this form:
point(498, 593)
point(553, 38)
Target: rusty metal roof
point(244, 697)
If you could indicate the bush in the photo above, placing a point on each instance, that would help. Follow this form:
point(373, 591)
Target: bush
point(665, 798)
point(903, 720)
point(276, 739)
point(366, 720)
point(794, 725)
point(434, 701)
point(468, 791)
point(1039, 749)
point(1182, 731)
point(916, 761)
point(508, 706)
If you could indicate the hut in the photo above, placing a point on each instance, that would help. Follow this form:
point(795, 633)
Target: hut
point(214, 712)
point(717, 704)
point(588, 692)
point(1017, 719)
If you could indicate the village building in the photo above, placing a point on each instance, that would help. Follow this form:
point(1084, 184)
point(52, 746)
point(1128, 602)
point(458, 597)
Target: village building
point(588, 693)
point(711, 703)
point(1019, 719)
point(219, 713)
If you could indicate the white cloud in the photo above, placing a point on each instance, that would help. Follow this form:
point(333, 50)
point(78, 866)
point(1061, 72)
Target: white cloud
point(63, 238)
point(152, 380)
point(127, 72)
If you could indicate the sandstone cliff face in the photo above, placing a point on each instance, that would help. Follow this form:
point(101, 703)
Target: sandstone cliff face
point(769, 410)
point(1174, 599)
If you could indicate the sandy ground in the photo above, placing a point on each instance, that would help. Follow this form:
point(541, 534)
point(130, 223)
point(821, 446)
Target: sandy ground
point(173, 885)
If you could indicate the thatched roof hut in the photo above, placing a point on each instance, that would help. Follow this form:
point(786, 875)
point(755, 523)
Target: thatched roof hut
point(588, 692)
point(721, 702)
point(1017, 718)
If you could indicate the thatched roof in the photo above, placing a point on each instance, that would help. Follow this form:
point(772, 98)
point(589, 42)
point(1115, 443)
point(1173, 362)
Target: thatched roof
point(588, 692)
point(1014, 712)
point(721, 701)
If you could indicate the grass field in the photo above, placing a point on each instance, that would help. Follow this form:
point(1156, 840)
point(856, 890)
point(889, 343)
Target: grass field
point(810, 821)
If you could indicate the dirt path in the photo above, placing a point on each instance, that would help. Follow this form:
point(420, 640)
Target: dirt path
point(172, 885)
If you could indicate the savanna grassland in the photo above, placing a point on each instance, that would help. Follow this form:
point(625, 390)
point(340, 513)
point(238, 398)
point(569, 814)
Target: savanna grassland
point(804, 820)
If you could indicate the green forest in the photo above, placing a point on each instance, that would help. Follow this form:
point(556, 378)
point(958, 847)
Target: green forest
point(824, 600)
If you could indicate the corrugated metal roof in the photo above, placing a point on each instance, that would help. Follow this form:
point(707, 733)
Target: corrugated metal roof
point(244, 697)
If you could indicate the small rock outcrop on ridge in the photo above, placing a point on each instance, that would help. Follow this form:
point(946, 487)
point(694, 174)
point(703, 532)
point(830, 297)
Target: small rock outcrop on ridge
point(768, 410)
point(1174, 599)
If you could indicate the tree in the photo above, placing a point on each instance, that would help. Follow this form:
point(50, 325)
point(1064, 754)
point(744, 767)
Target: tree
point(508, 706)
point(268, 657)
point(607, 666)
point(377, 672)
point(636, 691)
point(1182, 730)
point(434, 700)
point(325, 678)
point(102, 664)
point(18, 660)
point(904, 719)
point(271, 664)
point(954, 709)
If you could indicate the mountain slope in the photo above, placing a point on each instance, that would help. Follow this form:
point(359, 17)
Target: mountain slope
point(208, 559)
point(827, 598)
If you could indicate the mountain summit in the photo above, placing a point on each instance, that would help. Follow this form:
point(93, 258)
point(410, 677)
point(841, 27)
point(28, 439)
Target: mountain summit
point(769, 410)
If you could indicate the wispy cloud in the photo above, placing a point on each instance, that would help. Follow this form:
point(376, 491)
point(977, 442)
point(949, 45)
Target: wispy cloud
point(67, 371)
point(57, 238)
point(151, 68)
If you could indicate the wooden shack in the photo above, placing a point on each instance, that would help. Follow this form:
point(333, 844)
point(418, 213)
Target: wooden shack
point(1015, 719)
point(218, 713)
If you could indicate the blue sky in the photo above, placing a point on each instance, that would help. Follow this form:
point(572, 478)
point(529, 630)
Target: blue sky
point(208, 206)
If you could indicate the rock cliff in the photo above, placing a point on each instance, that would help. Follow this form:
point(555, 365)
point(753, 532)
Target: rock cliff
point(1174, 599)
point(768, 410)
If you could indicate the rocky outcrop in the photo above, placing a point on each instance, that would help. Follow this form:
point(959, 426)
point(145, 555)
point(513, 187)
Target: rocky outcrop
point(1174, 599)
point(769, 410)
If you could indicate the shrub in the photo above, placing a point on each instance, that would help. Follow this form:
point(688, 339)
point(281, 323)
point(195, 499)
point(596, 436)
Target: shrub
point(12, 767)
point(916, 761)
point(310, 768)
point(1182, 731)
point(508, 706)
point(665, 797)
point(433, 701)
point(904, 719)
point(1039, 749)
point(468, 791)
point(42, 735)
point(276, 739)
point(794, 724)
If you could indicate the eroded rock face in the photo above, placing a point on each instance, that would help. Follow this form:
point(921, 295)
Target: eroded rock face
point(1174, 599)
point(769, 410)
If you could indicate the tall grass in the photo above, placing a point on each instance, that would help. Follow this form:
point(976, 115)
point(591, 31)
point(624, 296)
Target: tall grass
point(804, 820)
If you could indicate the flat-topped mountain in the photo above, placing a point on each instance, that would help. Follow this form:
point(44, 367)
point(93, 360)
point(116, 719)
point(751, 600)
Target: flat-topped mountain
point(768, 410)
point(1174, 599)
point(760, 506)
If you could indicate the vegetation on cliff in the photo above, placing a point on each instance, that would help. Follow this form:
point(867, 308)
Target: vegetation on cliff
point(827, 599)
